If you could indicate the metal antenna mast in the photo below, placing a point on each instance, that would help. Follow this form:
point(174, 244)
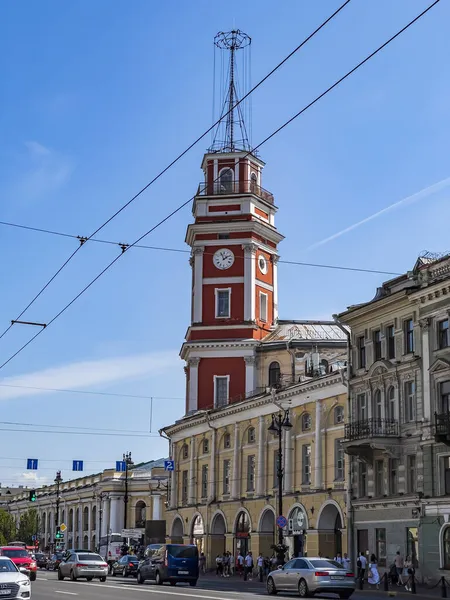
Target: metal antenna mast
point(224, 137)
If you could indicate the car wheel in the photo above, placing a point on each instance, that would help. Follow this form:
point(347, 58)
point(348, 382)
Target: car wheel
point(103, 579)
point(113, 572)
point(89, 578)
point(32, 576)
point(271, 589)
point(173, 582)
point(140, 579)
point(303, 589)
point(60, 575)
point(345, 594)
point(72, 576)
point(158, 579)
point(193, 583)
point(124, 573)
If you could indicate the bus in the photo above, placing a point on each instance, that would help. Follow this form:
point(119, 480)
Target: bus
point(110, 547)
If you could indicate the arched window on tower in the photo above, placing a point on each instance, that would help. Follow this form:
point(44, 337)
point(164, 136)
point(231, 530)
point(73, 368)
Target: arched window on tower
point(253, 183)
point(226, 181)
point(274, 374)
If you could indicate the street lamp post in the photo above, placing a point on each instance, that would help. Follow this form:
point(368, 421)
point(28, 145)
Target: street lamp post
point(58, 480)
point(128, 463)
point(279, 423)
point(98, 538)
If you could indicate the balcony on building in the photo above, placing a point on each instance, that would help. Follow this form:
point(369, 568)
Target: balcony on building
point(363, 438)
point(442, 428)
point(234, 188)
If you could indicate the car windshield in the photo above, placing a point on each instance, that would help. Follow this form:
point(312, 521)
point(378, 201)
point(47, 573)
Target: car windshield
point(326, 564)
point(7, 566)
point(90, 557)
point(183, 551)
point(12, 553)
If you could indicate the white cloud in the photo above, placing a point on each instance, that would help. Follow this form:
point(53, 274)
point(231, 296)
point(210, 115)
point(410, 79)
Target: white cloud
point(86, 374)
point(428, 191)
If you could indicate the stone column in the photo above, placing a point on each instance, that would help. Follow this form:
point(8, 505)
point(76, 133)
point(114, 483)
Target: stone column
point(197, 253)
point(318, 447)
point(288, 469)
point(275, 259)
point(250, 386)
point(114, 517)
point(74, 524)
point(193, 384)
point(105, 518)
point(235, 483)
point(249, 281)
point(212, 466)
point(426, 389)
point(156, 513)
point(192, 478)
point(260, 487)
point(89, 524)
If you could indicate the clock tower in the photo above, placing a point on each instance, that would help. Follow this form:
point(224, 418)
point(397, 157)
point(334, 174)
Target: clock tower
point(234, 267)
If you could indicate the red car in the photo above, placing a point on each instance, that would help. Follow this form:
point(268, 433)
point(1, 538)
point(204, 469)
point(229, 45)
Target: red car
point(20, 558)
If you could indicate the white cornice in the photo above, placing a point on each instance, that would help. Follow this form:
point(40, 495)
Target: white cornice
point(219, 349)
point(259, 227)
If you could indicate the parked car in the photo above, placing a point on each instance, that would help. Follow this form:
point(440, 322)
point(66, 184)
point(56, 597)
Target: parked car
point(54, 561)
point(14, 581)
point(21, 559)
point(170, 562)
point(41, 560)
point(127, 565)
point(309, 576)
point(83, 565)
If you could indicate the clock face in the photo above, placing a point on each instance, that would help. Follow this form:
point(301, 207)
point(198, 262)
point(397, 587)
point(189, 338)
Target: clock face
point(262, 264)
point(223, 258)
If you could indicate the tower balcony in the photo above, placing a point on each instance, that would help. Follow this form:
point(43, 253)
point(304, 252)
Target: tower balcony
point(442, 428)
point(234, 188)
point(362, 438)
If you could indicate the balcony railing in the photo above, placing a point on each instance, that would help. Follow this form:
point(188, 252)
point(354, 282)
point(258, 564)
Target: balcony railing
point(216, 188)
point(442, 427)
point(370, 428)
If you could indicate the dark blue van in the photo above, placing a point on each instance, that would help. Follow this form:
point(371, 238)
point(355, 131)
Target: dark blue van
point(169, 562)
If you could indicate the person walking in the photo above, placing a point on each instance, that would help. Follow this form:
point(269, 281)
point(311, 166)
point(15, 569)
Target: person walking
point(219, 565)
point(408, 573)
point(346, 562)
point(240, 564)
point(399, 566)
point(260, 565)
point(249, 565)
point(373, 575)
point(202, 563)
point(362, 564)
point(338, 558)
point(226, 564)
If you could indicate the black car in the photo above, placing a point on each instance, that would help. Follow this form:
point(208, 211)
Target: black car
point(125, 566)
point(41, 560)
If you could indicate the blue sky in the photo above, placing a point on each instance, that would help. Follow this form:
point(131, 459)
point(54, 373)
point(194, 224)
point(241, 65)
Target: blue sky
point(97, 97)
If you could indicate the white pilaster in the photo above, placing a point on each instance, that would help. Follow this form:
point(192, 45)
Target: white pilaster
point(114, 517)
point(156, 515)
point(215, 172)
point(89, 525)
point(105, 517)
point(288, 452)
point(192, 478)
point(173, 488)
point(250, 386)
point(318, 448)
point(260, 487)
point(275, 259)
point(426, 391)
point(235, 483)
point(236, 174)
point(197, 316)
point(193, 384)
point(249, 281)
point(212, 466)
point(74, 525)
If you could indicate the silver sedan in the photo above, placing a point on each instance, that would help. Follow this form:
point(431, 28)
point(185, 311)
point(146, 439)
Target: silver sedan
point(81, 565)
point(309, 576)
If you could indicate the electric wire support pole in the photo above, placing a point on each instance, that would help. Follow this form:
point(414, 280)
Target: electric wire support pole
point(128, 463)
point(58, 480)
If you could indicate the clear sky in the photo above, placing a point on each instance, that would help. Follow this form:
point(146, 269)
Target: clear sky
point(97, 97)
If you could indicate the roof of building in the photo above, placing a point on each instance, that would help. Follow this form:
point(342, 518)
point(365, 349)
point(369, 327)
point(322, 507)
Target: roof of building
point(308, 331)
point(152, 464)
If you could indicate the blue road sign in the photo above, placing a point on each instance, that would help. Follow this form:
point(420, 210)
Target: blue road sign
point(32, 464)
point(77, 465)
point(121, 466)
point(33, 537)
point(281, 521)
point(169, 465)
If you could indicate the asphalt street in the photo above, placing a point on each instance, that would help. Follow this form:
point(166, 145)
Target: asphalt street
point(47, 587)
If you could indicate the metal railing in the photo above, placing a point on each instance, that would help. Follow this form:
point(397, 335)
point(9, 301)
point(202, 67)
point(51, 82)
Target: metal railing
point(231, 188)
point(369, 428)
point(442, 423)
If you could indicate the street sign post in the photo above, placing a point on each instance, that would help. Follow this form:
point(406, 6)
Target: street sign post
point(32, 464)
point(63, 527)
point(77, 465)
point(169, 465)
point(135, 534)
point(281, 522)
point(121, 466)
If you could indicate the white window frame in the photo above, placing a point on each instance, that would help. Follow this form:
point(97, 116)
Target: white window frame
point(218, 182)
point(410, 410)
point(216, 309)
point(216, 377)
point(262, 317)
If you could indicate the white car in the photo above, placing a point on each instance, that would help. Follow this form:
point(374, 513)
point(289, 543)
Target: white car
point(14, 583)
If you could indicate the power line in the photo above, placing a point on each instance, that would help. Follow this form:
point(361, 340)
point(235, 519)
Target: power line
point(45, 389)
point(182, 251)
point(175, 160)
point(71, 427)
point(181, 206)
point(148, 435)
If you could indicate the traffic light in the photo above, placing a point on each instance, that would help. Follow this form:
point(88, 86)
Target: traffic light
point(33, 496)
point(58, 535)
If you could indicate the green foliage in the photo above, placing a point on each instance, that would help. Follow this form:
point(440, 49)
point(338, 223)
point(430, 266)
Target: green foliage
point(7, 528)
point(28, 526)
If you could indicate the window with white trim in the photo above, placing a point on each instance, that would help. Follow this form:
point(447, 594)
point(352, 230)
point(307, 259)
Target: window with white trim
point(410, 401)
point(226, 476)
point(205, 472)
point(251, 469)
point(221, 385)
point(263, 306)
point(338, 415)
point(339, 461)
point(226, 181)
point(223, 303)
point(306, 464)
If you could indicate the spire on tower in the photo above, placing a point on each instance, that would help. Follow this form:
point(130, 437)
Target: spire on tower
point(231, 134)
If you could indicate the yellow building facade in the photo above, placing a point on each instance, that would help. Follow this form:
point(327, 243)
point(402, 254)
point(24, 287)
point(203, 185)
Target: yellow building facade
point(224, 489)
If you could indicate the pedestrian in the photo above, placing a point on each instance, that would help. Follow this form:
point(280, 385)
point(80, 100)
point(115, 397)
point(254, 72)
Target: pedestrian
point(346, 562)
point(202, 563)
point(362, 564)
point(219, 565)
point(226, 564)
point(232, 564)
point(408, 572)
point(249, 565)
point(240, 564)
point(274, 562)
point(373, 575)
point(338, 558)
point(399, 566)
point(260, 565)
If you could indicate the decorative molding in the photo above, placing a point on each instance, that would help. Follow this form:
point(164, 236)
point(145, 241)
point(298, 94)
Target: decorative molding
point(250, 248)
point(250, 360)
point(194, 361)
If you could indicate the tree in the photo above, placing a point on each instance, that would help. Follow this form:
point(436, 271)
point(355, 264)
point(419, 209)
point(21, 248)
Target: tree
point(28, 526)
point(7, 528)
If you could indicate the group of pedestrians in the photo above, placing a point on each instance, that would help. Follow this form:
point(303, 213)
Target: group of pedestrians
point(227, 565)
point(400, 571)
